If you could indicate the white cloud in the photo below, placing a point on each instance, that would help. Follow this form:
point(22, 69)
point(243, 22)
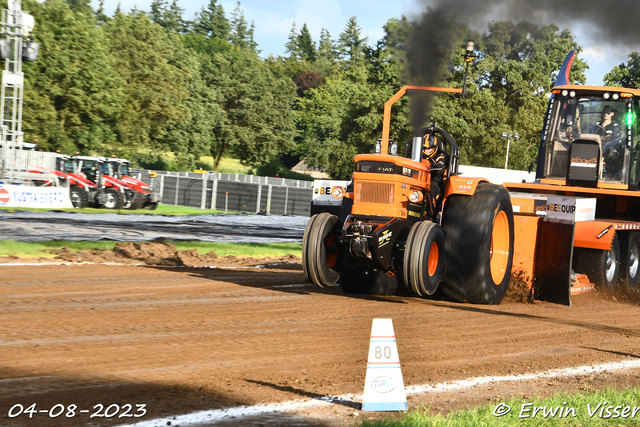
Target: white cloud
point(596, 52)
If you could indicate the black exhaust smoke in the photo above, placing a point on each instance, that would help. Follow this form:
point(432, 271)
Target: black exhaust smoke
point(441, 28)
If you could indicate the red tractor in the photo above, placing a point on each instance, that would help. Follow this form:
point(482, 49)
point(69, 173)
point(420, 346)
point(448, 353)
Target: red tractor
point(112, 193)
point(145, 197)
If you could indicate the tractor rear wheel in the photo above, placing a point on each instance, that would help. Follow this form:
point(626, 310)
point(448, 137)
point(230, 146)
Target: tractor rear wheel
point(630, 261)
point(602, 267)
point(114, 199)
point(320, 251)
point(479, 234)
point(423, 262)
point(79, 197)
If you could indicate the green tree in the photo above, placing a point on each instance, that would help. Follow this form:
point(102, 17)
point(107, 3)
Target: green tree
point(626, 74)
point(100, 15)
point(326, 58)
point(241, 33)
point(190, 137)
point(168, 16)
point(258, 121)
point(80, 6)
point(211, 22)
point(509, 86)
point(291, 47)
point(343, 117)
point(306, 45)
point(351, 44)
point(72, 93)
point(155, 94)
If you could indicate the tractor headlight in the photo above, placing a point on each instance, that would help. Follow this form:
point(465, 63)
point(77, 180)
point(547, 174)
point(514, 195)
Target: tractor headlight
point(415, 196)
point(338, 192)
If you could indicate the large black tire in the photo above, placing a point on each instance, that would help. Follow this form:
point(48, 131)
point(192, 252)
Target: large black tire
point(79, 197)
point(478, 245)
point(423, 262)
point(320, 250)
point(137, 201)
point(630, 261)
point(602, 267)
point(359, 280)
point(114, 199)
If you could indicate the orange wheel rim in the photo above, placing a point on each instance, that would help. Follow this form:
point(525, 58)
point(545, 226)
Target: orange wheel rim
point(433, 259)
point(499, 256)
point(331, 259)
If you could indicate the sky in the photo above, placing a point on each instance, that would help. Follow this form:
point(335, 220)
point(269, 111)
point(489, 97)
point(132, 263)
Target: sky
point(273, 20)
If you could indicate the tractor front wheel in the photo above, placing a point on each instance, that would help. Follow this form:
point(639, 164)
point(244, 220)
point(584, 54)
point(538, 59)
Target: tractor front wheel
point(79, 197)
point(114, 199)
point(320, 251)
point(479, 235)
point(423, 262)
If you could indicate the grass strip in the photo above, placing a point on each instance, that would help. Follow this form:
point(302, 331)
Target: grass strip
point(38, 249)
point(608, 407)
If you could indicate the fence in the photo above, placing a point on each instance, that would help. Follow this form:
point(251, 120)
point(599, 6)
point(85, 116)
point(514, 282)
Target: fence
point(232, 192)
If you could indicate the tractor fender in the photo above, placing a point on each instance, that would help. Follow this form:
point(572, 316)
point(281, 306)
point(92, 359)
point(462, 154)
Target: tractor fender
point(462, 185)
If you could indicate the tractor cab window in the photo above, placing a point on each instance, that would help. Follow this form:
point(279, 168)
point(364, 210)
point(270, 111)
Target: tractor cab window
point(125, 169)
point(69, 166)
point(89, 168)
point(106, 169)
point(589, 120)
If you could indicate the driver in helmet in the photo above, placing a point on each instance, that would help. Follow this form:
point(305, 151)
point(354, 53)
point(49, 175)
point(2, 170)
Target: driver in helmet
point(434, 153)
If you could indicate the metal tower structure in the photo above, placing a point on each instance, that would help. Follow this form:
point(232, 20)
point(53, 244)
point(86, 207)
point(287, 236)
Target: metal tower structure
point(16, 26)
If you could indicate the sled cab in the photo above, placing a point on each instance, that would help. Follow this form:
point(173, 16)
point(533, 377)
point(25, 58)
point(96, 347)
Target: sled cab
point(589, 137)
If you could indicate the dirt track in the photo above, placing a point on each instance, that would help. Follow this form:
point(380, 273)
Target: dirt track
point(184, 339)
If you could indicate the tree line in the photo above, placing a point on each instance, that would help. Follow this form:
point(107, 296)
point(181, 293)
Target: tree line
point(141, 83)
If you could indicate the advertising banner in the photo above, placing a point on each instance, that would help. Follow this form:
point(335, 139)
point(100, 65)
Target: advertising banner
point(23, 196)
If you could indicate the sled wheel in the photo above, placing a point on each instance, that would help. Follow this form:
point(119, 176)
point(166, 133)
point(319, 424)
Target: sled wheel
point(79, 197)
point(630, 261)
point(602, 267)
point(114, 199)
point(320, 250)
point(423, 262)
point(478, 245)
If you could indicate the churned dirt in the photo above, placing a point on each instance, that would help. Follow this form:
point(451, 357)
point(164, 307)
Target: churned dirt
point(152, 254)
point(181, 339)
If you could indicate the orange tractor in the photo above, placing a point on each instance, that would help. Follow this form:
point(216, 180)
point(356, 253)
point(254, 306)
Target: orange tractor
point(575, 228)
point(395, 230)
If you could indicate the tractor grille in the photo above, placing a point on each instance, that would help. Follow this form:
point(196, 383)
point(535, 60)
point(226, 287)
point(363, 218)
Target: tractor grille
point(374, 192)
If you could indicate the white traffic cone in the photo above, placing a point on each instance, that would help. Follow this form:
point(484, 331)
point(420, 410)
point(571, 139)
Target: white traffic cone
point(383, 386)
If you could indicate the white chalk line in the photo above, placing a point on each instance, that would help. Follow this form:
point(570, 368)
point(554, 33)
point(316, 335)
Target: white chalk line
point(202, 417)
